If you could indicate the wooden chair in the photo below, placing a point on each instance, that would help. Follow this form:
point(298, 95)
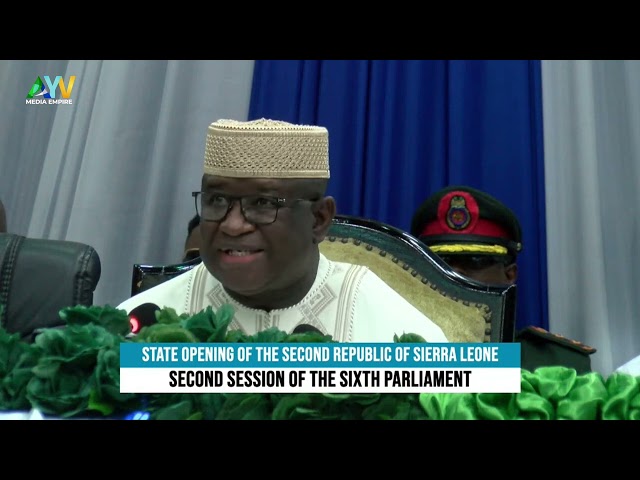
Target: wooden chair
point(146, 276)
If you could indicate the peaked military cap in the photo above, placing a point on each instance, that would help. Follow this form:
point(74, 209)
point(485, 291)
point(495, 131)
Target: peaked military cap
point(461, 220)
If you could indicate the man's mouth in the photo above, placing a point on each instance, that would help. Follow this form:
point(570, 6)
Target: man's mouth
point(233, 256)
point(240, 253)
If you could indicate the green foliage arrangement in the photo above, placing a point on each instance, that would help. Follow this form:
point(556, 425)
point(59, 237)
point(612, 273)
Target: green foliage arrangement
point(74, 372)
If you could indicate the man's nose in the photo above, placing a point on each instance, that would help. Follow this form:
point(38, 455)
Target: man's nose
point(235, 223)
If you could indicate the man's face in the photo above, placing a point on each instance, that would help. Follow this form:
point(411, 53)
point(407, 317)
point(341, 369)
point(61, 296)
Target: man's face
point(251, 259)
point(483, 268)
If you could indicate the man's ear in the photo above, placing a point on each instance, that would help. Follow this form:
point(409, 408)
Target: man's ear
point(511, 272)
point(324, 210)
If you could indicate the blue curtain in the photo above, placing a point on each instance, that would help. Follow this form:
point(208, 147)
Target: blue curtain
point(402, 129)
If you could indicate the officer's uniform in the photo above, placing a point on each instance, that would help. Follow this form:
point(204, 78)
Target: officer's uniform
point(463, 221)
point(540, 348)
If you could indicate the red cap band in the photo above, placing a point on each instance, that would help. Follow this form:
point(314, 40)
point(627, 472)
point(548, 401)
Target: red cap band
point(458, 213)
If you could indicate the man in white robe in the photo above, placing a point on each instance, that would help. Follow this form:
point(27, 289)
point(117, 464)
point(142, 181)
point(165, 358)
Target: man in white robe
point(263, 212)
point(632, 367)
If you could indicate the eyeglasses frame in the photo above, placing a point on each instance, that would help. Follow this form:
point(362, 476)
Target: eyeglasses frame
point(281, 202)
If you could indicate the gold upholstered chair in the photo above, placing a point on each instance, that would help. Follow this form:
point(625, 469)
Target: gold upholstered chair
point(467, 311)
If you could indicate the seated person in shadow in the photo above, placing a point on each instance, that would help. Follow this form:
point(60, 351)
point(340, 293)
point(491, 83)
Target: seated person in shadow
point(193, 240)
point(263, 212)
point(3, 219)
point(480, 237)
point(191, 252)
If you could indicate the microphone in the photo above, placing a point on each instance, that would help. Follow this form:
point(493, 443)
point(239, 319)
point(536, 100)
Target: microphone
point(142, 316)
point(304, 328)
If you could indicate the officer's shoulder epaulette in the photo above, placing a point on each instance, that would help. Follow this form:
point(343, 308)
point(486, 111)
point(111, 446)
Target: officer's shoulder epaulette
point(556, 338)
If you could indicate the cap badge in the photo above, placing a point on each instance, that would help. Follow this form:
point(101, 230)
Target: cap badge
point(458, 216)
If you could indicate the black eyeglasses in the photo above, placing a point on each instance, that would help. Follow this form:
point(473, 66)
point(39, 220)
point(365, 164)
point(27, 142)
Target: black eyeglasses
point(257, 209)
point(475, 262)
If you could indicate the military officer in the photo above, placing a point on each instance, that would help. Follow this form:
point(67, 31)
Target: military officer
point(480, 237)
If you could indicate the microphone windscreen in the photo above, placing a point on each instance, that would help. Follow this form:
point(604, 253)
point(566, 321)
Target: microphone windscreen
point(304, 328)
point(142, 316)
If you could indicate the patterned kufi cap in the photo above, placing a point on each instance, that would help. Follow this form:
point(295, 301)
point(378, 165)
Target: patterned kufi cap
point(266, 149)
